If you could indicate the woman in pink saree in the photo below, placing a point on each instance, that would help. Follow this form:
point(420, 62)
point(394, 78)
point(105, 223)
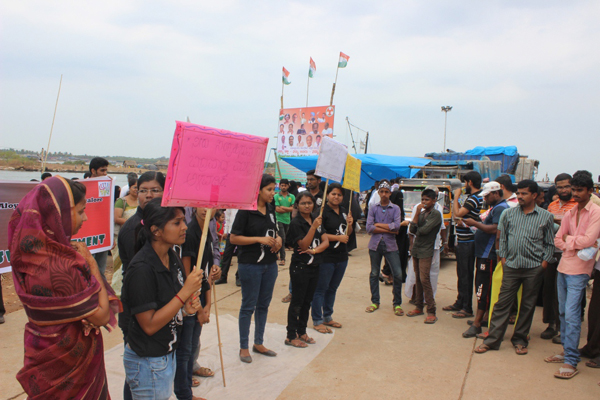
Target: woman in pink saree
point(65, 297)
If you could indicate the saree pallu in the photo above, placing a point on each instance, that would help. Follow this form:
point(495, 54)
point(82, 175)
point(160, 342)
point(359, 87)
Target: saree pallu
point(55, 284)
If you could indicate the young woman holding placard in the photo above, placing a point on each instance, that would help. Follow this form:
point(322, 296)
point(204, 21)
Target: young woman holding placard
point(309, 241)
point(255, 234)
point(157, 296)
point(335, 259)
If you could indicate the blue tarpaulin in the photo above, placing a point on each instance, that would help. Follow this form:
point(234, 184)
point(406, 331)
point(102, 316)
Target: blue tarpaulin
point(507, 155)
point(374, 166)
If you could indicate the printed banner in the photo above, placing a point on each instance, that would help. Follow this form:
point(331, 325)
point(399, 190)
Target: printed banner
point(352, 174)
point(301, 130)
point(332, 160)
point(97, 231)
point(214, 168)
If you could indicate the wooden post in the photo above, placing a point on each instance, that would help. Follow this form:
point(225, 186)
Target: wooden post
point(349, 210)
point(324, 198)
point(214, 289)
point(205, 229)
point(277, 164)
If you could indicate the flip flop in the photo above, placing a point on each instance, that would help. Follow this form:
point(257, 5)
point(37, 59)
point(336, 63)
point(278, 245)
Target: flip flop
point(306, 339)
point(557, 358)
point(571, 372)
point(521, 350)
point(301, 345)
point(333, 324)
point(483, 348)
point(431, 319)
point(593, 363)
point(372, 308)
point(398, 311)
point(415, 312)
point(204, 372)
point(195, 382)
point(451, 308)
point(322, 330)
point(462, 314)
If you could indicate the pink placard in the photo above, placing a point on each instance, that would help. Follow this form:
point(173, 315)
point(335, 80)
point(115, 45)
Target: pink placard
point(214, 168)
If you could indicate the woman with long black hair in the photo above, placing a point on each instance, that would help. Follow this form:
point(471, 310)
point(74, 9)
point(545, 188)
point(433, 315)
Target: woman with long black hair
point(157, 296)
point(255, 234)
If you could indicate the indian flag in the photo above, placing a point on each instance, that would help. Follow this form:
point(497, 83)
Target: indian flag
point(312, 69)
point(285, 76)
point(343, 60)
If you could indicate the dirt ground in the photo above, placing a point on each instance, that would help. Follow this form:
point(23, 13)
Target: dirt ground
point(380, 355)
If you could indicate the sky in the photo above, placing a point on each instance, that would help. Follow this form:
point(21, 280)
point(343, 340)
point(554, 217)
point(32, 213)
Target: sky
point(521, 73)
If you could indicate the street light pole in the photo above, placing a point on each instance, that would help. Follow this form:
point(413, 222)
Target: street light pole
point(445, 109)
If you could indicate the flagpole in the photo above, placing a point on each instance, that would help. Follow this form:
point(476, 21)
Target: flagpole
point(334, 83)
point(44, 159)
point(307, 83)
point(282, 86)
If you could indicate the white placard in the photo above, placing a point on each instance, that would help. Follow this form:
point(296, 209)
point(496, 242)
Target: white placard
point(332, 159)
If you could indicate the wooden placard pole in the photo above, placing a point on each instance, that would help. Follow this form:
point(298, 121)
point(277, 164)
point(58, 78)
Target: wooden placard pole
point(349, 210)
point(205, 229)
point(214, 290)
point(324, 198)
point(45, 158)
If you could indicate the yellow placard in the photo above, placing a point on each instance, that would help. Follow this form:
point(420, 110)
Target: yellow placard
point(352, 174)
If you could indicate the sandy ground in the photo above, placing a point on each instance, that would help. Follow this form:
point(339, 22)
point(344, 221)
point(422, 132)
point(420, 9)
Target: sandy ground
point(379, 355)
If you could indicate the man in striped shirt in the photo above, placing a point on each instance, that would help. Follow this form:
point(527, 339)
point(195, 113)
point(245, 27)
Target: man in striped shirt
point(465, 247)
point(526, 245)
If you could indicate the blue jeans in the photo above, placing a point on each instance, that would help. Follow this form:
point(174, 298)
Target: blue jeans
point(393, 258)
point(330, 277)
point(258, 281)
point(150, 378)
point(571, 288)
point(188, 340)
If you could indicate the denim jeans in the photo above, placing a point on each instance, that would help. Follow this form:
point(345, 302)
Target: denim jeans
point(101, 261)
point(150, 378)
point(258, 281)
point(330, 277)
point(393, 259)
point(188, 340)
point(571, 288)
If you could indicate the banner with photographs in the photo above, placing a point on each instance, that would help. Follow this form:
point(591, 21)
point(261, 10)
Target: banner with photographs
point(301, 130)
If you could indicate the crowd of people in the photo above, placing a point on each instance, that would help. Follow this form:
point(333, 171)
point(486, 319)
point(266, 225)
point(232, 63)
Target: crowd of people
point(532, 237)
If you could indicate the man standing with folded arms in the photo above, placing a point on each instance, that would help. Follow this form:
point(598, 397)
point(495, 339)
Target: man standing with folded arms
point(580, 228)
point(526, 245)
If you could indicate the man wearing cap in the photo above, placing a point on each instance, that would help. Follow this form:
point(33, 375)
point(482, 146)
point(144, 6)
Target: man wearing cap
point(383, 223)
point(485, 252)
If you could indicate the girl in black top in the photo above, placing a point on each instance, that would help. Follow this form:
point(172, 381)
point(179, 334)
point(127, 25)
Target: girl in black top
point(157, 296)
point(255, 234)
point(336, 220)
point(306, 235)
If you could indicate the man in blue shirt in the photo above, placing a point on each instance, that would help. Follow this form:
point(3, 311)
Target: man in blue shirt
point(383, 223)
point(485, 251)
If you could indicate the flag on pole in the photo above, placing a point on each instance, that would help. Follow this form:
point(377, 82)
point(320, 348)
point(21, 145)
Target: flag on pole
point(312, 69)
point(343, 60)
point(285, 76)
point(362, 145)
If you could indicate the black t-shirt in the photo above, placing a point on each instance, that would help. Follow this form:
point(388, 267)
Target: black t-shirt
point(335, 224)
point(191, 247)
point(254, 223)
point(148, 285)
point(126, 238)
point(299, 227)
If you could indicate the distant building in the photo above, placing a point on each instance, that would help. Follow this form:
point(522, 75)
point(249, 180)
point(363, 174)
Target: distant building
point(130, 164)
point(162, 164)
